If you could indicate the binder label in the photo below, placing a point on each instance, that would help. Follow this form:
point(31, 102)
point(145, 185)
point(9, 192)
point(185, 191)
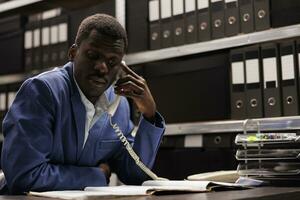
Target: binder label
point(202, 4)
point(165, 6)
point(153, 10)
point(190, 5)
point(177, 7)
point(54, 34)
point(270, 71)
point(229, 1)
point(237, 70)
point(287, 67)
point(252, 71)
point(36, 38)
point(63, 32)
point(46, 36)
point(11, 98)
point(2, 101)
point(28, 40)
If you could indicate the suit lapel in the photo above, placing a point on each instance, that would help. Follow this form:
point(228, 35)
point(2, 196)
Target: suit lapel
point(79, 114)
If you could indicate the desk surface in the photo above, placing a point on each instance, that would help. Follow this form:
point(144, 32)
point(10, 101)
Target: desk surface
point(263, 193)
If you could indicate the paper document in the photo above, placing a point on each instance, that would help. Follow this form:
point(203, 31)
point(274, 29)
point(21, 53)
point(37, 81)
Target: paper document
point(147, 188)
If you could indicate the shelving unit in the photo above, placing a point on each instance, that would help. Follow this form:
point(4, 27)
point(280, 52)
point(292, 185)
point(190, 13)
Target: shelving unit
point(266, 124)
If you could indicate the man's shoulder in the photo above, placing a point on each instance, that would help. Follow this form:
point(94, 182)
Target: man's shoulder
point(58, 79)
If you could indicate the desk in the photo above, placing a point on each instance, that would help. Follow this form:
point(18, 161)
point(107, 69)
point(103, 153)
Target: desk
point(263, 193)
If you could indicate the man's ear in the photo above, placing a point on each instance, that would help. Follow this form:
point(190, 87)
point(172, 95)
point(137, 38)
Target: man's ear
point(72, 52)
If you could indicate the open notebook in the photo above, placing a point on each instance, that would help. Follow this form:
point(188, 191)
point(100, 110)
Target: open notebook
point(147, 188)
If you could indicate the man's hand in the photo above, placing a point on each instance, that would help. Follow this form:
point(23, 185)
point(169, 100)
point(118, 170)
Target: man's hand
point(106, 170)
point(135, 87)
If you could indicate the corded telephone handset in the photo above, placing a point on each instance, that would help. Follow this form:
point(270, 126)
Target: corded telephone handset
point(111, 111)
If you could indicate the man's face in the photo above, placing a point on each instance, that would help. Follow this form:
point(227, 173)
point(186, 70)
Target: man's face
point(97, 63)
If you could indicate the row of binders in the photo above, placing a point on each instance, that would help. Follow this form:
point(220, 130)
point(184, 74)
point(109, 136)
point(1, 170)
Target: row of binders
point(270, 157)
point(46, 40)
point(265, 80)
point(178, 22)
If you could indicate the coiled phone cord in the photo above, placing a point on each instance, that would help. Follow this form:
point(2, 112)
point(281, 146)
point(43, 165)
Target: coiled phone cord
point(131, 152)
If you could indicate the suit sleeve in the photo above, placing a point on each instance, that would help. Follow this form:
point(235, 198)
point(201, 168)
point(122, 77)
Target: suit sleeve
point(145, 143)
point(28, 143)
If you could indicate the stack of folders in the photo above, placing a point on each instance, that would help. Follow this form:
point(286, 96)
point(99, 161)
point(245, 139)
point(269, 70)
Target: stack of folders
point(271, 157)
point(178, 22)
point(46, 40)
point(264, 80)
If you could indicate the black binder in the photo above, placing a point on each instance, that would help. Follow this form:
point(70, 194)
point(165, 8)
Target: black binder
point(232, 20)
point(204, 25)
point(262, 14)
point(253, 82)
point(37, 49)
point(190, 21)
point(137, 25)
point(11, 44)
point(63, 39)
point(28, 45)
point(166, 23)
point(46, 47)
point(237, 84)
point(288, 78)
point(154, 25)
point(271, 86)
point(217, 19)
point(246, 16)
point(178, 22)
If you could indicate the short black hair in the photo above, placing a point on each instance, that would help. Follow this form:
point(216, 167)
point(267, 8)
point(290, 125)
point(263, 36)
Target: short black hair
point(103, 24)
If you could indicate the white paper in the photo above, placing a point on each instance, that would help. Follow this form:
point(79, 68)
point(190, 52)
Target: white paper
point(54, 34)
point(228, 1)
point(36, 38)
point(11, 97)
point(2, 101)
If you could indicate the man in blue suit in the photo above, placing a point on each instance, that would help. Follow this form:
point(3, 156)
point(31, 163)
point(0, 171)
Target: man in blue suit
point(57, 132)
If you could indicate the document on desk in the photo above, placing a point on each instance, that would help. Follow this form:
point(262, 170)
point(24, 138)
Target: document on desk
point(151, 187)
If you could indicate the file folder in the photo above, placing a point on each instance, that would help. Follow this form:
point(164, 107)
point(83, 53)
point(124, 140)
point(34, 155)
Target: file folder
point(46, 47)
point(166, 23)
point(204, 25)
point(154, 25)
point(190, 21)
point(288, 78)
point(246, 16)
point(217, 18)
point(137, 25)
point(37, 50)
point(253, 82)
point(28, 45)
point(54, 43)
point(232, 20)
point(271, 86)
point(63, 39)
point(237, 84)
point(178, 22)
point(262, 14)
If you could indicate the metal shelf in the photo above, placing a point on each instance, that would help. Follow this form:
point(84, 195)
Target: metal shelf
point(266, 124)
point(224, 43)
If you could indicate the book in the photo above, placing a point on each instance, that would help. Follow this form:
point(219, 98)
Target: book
point(150, 187)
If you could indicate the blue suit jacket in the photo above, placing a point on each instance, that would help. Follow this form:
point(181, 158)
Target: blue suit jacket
point(44, 133)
